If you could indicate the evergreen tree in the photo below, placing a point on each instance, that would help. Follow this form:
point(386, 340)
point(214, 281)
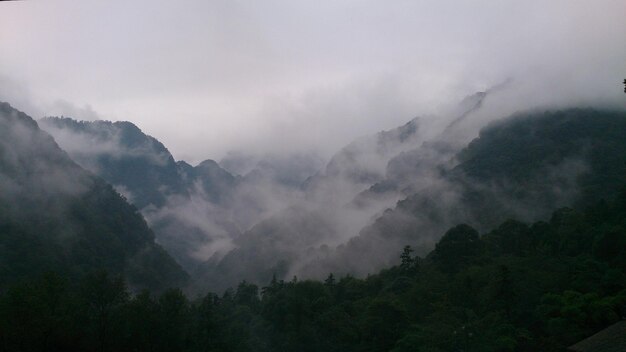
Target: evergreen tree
point(407, 260)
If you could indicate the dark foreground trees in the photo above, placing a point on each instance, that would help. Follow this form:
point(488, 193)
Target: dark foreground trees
point(517, 288)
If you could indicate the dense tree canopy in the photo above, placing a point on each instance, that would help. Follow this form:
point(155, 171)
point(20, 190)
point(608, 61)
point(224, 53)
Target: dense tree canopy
point(516, 288)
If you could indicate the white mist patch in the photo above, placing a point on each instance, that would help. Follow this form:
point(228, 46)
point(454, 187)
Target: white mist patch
point(106, 140)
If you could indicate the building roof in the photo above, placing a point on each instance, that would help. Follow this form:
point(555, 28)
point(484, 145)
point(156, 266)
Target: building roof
point(611, 339)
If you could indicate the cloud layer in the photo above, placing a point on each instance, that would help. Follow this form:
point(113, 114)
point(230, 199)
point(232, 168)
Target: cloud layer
point(209, 77)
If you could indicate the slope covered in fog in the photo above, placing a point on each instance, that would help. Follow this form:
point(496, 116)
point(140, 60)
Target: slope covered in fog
point(521, 167)
point(141, 168)
point(137, 164)
point(379, 193)
point(333, 207)
point(54, 215)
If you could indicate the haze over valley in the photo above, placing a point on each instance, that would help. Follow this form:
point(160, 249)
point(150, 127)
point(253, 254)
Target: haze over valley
point(355, 176)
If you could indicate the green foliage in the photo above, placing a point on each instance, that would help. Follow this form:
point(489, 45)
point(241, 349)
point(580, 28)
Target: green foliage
point(408, 264)
point(56, 216)
point(458, 248)
point(517, 288)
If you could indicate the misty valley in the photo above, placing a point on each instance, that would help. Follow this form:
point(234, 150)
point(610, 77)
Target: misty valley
point(411, 239)
point(313, 176)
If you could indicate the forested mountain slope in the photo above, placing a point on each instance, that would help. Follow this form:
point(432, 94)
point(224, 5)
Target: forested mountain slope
point(520, 167)
point(122, 154)
point(142, 168)
point(54, 215)
point(334, 206)
point(518, 287)
point(225, 228)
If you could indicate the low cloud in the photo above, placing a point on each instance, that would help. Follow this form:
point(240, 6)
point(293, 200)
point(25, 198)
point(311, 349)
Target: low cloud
point(257, 84)
point(278, 78)
point(101, 139)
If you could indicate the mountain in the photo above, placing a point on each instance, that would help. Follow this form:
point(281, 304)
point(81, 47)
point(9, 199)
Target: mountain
point(521, 167)
point(144, 171)
point(289, 170)
point(54, 215)
point(197, 212)
point(518, 287)
point(334, 205)
point(136, 164)
point(406, 185)
point(364, 160)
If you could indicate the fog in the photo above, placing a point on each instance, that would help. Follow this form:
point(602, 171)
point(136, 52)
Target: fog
point(209, 77)
point(286, 216)
point(290, 97)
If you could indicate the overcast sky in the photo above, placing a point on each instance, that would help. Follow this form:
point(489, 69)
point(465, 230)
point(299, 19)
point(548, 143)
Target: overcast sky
point(207, 77)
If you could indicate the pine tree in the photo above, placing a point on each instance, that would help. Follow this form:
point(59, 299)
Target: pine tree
point(407, 260)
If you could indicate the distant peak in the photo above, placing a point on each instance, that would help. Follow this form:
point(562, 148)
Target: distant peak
point(10, 113)
point(126, 125)
point(209, 163)
point(473, 102)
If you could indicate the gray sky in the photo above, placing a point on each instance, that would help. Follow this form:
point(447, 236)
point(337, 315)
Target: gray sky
point(206, 77)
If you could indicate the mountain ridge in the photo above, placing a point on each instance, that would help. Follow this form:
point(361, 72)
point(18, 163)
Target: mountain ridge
point(58, 216)
point(403, 185)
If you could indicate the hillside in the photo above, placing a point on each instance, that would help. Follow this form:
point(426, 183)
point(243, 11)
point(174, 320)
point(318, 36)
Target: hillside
point(164, 190)
point(517, 287)
point(56, 216)
point(521, 167)
point(223, 228)
point(120, 153)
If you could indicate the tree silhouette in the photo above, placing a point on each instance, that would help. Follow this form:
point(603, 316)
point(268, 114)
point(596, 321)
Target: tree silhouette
point(407, 260)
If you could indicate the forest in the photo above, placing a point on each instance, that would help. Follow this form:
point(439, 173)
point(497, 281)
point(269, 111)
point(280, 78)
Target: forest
point(312, 176)
point(518, 287)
